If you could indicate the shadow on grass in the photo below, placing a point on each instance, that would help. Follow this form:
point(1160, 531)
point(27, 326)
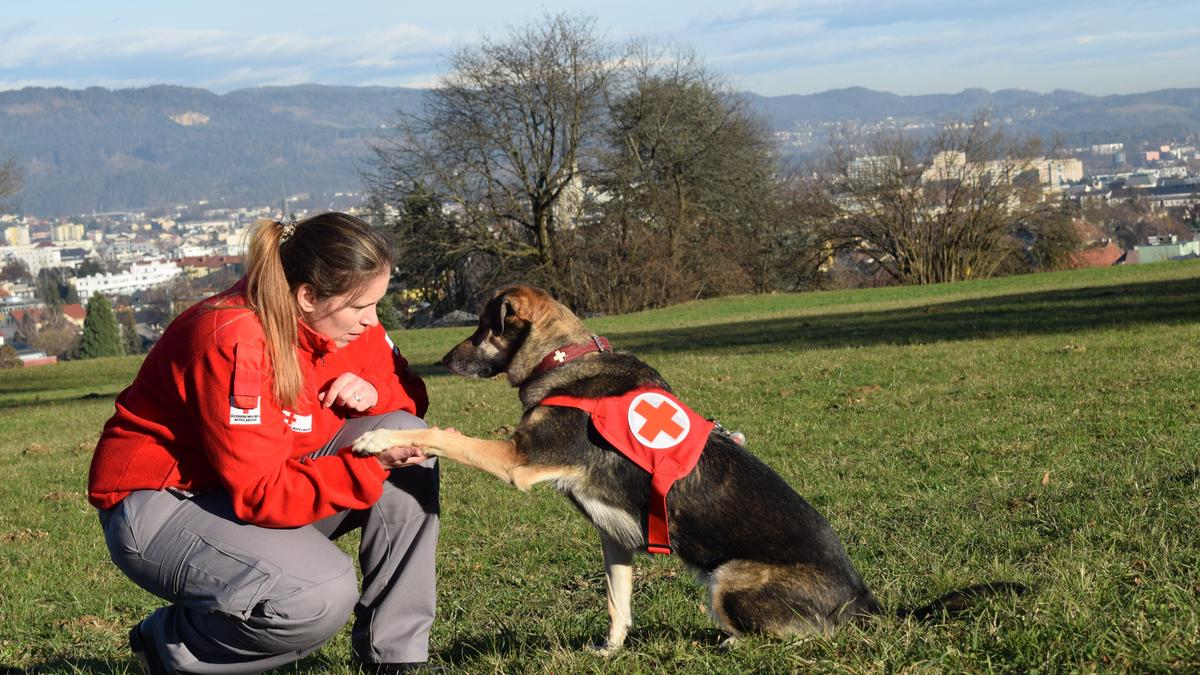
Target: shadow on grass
point(123, 666)
point(465, 649)
point(42, 402)
point(1044, 313)
point(505, 643)
point(1190, 477)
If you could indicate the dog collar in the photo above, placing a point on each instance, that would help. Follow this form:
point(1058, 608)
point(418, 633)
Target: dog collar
point(571, 352)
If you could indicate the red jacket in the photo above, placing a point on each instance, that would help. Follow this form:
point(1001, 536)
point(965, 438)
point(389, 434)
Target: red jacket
point(201, 415)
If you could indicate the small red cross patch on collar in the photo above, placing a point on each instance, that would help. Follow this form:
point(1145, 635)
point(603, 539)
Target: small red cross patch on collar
point(657, 421)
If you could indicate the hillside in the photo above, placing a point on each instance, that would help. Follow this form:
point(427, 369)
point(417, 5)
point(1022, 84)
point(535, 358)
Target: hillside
point(1067, 112)
point(1039, 428)
point(101, 150)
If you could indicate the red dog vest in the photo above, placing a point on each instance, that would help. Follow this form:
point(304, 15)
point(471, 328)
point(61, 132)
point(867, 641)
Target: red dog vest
point(656, 432)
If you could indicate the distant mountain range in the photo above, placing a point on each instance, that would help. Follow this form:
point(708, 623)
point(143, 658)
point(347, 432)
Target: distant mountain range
point(1066, 112)
point(97, 150)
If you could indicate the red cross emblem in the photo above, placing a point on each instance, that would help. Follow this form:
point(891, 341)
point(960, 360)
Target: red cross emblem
point(657, 421)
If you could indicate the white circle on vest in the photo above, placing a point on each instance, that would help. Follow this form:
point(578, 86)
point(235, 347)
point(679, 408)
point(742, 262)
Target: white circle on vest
point(657, 422)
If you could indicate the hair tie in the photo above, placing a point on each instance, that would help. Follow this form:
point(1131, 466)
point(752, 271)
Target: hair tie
point(288, 228)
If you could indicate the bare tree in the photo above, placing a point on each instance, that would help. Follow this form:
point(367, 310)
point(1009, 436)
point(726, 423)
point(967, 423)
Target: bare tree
point(1131, 223)
point(689, 180)
point(954, 206)
point(57, 335)
point(619, 178)
point(15, 269)
point(501, 138)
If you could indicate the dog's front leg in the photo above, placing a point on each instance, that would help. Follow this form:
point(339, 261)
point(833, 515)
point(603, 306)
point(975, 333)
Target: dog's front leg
point(618, 572)
point(498, 458)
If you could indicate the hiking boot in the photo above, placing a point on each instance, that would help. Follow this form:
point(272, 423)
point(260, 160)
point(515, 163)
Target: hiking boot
point(145, 653)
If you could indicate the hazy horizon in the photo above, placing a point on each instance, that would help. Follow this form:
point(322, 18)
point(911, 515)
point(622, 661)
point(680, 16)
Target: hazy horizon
point(768, 47)
point(813, 93)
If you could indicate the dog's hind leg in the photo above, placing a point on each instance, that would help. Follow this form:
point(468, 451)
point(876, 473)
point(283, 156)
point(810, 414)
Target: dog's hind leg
point(779, 600)
point(618, 572)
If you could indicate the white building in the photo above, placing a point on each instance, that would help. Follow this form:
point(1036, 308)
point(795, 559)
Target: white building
point(1161, 249)
point(36, 258)
point(872, 167)
point(140, 277)
point(1059, 172)
point(1173, 171)
point(67, 232)
point(235, 242)
point(946, 165)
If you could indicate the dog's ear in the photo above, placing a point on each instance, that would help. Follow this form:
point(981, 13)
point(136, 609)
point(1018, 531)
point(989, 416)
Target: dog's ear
point(497, 309)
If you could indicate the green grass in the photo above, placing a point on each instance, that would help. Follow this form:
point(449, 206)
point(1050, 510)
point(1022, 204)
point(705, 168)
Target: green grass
point(1040, 428)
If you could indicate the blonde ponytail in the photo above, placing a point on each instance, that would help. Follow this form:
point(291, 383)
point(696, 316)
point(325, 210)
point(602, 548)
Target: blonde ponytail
point(334, 253)
point(270, 297)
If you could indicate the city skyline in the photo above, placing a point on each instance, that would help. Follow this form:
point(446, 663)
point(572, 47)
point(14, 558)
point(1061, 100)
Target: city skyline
point(768, 47)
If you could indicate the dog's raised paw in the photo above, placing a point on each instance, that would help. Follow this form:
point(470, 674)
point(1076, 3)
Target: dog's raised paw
point(371, 443)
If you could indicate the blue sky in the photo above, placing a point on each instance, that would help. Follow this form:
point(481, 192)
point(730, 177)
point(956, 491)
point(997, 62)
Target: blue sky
point(770, 47)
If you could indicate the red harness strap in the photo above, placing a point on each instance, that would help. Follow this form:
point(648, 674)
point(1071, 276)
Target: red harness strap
point(655, 431)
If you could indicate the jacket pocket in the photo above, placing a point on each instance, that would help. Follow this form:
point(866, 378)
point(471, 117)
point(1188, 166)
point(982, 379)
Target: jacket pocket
point(247, 376)
point(221, 577)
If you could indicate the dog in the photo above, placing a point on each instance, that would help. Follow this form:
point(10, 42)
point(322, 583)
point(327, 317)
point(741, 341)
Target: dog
point(772, 563)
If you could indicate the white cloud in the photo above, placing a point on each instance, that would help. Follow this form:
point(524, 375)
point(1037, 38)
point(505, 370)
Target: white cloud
point(257, 77)
point(378, 46)
point(773, 46)
point(419, 81)
point(78, 83)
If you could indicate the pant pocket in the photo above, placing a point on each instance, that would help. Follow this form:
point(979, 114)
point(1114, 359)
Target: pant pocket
point(220, 577)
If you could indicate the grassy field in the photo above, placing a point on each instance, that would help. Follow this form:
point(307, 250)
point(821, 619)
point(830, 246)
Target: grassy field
point(1041, 429)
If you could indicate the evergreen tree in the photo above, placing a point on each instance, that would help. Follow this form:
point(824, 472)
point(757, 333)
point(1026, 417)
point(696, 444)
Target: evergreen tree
point(130, 340)
point(101, 335)
point(389, 313)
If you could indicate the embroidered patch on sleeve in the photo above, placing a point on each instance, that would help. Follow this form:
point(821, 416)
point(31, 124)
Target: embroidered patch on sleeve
point(243, 416)
point(301, 424)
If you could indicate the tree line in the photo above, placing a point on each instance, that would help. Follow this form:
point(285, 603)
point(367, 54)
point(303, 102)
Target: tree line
point(624, 177)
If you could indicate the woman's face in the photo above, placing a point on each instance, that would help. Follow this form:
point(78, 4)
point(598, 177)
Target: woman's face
point(342, 318)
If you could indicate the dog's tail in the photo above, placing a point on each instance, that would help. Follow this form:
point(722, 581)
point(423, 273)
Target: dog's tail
point(961, 599)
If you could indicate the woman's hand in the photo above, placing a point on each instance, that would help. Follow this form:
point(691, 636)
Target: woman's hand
point(350, 391)
point(398, 456)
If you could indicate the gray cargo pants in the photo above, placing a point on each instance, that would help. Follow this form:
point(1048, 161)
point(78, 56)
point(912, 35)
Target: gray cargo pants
point(246, 598)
